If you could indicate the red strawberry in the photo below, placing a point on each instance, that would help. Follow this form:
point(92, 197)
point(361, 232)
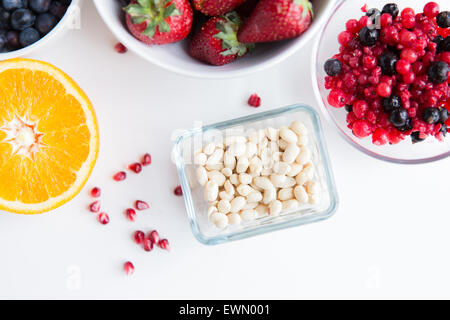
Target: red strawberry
point(216, 7)
point(274, 20)
point(216, 42)
point(159, 21)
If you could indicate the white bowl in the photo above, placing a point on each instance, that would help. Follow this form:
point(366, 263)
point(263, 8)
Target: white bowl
point(69, 20)
point(174, 57)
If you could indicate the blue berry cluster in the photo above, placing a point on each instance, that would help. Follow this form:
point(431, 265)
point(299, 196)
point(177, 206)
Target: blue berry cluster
point(23, 22)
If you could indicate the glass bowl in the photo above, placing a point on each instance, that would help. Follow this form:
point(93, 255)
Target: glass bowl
point(197, 207)
point(325, 47)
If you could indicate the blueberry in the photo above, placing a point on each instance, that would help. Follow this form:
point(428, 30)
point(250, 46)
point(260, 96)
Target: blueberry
point(398, 117)
point(439, 41)
point(22, 19)
point(45, 23)
point(444, 129)
point(408, 126)
point(392, 9)
point(57, 9)
point(13, 39)
point(443, 19)
point(13, 4)
point(333, 67)
point(4, 19)
point(348, 108)
point(430, 115)
point(437, 72)
point(392, 103)
point(40, 6)
point(443, 115)
point(3, 40)
point(387, 63)
point(415, 137)
point(28, 36)
point(368, 37)
point(444, 46)
point(373, 14)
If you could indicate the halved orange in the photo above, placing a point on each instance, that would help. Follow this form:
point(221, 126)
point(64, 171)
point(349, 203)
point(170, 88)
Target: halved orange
point(48, 137)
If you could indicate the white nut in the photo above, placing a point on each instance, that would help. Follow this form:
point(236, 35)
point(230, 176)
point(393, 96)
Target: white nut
point(299, 128)
point(234, 219)
point(280, 181)
point(275, 208)
point(229, 160)
point(209, 148)
point(304, 156)
point(306, 175)
point(315, 198)
point(215, 158)
point(302, 140)
point(290, 153)
point(263, 183)
point(223, 195)
point(250, 205)
point(266, 172)
point(295, 169)
point(242, 165)
point(234, 179)
point(211, 190)
point(288, 135)
point(219, 219)
point(228, 186)
point(211, 210)
point(269, 195)
point(285, 194)
point(290, 205)
point(282, 144)
point(224, 206)
point(251, 150)
point(262, 210)
point(200, 159)
point(244, 190)
point(202, 175)
point(272, 133)
point(255, 166)
point(218, 166)
point(227, 172)
point(237, 149)
point(254, 196)
point(237, 204)
point(300, 194)
point(312, 187)
point(217, 176)
point(249, 215)
point(281, 168)
point(245, 178)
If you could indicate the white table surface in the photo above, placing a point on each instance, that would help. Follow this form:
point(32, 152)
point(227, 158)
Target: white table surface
point(388, 239)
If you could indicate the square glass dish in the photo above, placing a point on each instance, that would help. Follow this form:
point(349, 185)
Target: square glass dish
point(197, 208)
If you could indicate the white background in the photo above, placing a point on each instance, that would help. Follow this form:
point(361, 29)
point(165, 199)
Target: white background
point(388, 239)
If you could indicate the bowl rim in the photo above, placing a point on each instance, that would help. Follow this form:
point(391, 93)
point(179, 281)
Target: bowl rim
point(326, 114)
point(219, 74)
point(243, 234)
point(44, 40)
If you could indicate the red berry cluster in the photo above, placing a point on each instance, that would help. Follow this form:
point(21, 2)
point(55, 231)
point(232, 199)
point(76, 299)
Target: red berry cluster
point(391, 71)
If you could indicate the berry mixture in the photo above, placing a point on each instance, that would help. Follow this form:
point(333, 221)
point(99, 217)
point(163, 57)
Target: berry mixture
point(23, 22)
point(392, 74)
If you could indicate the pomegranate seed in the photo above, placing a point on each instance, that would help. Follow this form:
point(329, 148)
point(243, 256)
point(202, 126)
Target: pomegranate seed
point(178, 191)
point(120, 176)
point(95, 206)
point(96, 192)
point(154, 236)
point(135, 167)
point(146, 159)
point(141, 205)
point(139, 237)
point(131, 214)
point(128, 267)
point(120, 48)
point(148, 245)
point(254, 101)
point(164, 244)
point(103, 218)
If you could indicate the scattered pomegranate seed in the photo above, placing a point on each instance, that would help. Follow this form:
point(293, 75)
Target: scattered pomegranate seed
point(135, 167)
point(131, 214)
point(154, 236)
point(103, 218)
point(128, 267)
point(96, 192)
point(120, 48)
point(141, 205)
point(95, 206)
point(148, 245)
point(146, 159)
point(164, 244)
point(178, 191)
point(364, 8)
point(139, 237)
point(254, 101)
point(120, 176)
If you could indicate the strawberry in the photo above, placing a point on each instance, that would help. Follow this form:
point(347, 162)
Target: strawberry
point(159, 21)
point(216, 42)
point(274, 20)
point(216, 7)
